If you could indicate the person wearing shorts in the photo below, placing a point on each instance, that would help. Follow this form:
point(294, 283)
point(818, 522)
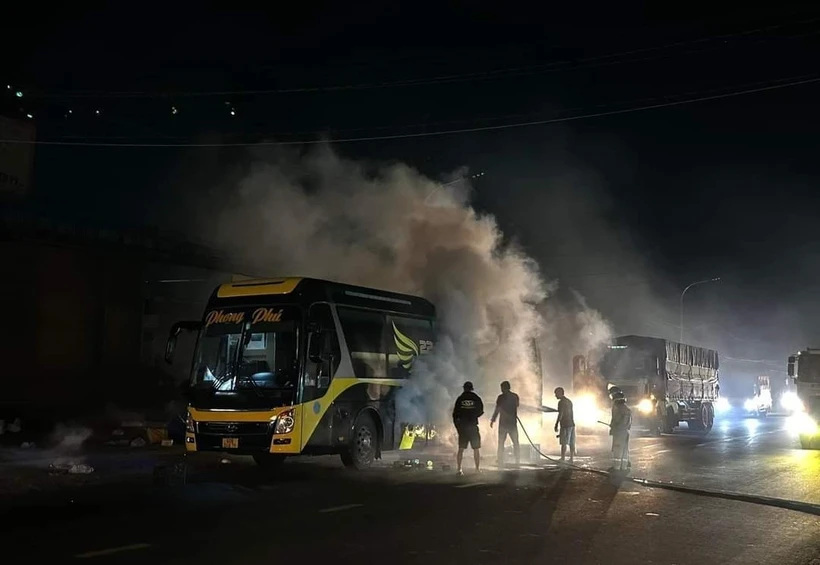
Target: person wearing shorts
point(466, 412)
point(566, 423)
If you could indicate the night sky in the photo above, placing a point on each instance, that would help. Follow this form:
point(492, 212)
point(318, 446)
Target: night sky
point(627, 209)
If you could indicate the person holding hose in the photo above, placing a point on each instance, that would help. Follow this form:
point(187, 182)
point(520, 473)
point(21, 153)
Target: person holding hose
point(566, 422)
point(506, 411)
point(619, 426)
point(466, 412)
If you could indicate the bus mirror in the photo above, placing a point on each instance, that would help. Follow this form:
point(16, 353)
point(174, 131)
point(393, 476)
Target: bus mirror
point(171, 344)
point(315, 349)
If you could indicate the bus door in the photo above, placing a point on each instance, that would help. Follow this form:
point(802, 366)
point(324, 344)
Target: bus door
point(322, 360)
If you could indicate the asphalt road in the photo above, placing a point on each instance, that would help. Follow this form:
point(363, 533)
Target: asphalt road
point(748, 455)
point(316, 511)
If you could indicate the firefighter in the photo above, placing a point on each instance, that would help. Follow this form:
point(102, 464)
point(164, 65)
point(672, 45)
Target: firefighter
point(466, 412)
point(506, 411)
point(619, 426)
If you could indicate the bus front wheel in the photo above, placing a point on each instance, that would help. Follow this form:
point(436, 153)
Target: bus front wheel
point(361, 452)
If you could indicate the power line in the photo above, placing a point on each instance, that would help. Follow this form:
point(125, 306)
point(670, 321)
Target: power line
point(437, 133)
point(554, 66)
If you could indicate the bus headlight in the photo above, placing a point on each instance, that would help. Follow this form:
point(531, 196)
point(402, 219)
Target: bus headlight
point(284, 423)
point(646, 406)
point(190, 424)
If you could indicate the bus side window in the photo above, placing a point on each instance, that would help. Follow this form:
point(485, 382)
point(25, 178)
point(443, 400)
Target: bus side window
point(318, 375)
point(364, 334)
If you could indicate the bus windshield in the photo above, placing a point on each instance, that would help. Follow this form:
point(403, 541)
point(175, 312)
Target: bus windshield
point(254, 350)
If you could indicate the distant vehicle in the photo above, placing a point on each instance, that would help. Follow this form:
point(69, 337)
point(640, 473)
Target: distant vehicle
point(665, 382)
point(804, 368)
point(303, 366)
point(761, 403)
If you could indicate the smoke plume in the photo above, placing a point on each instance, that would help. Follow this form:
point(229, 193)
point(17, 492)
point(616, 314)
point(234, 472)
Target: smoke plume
point(389, 227)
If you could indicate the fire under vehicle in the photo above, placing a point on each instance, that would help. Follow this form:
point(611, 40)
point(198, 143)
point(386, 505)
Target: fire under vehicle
point(665, 382)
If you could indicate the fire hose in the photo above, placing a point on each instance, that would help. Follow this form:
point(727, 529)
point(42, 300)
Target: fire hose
point(795, 505)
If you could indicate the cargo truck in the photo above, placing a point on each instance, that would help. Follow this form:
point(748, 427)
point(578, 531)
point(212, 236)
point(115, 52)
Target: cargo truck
point(804, 368)
point(665, 382)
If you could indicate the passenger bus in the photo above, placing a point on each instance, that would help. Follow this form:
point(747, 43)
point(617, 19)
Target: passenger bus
point(302, 366)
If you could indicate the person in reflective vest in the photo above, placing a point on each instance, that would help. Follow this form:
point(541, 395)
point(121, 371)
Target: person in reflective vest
point(619, 426)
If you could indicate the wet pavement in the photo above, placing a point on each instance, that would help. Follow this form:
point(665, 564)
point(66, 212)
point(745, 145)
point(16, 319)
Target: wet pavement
point(316, 510)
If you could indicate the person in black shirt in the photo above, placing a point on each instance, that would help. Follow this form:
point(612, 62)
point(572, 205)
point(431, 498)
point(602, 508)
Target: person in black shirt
point(566, 420)
point(467, 410)
point(506, 411)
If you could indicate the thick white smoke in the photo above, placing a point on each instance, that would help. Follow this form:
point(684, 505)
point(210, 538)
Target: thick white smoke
point(389, 227)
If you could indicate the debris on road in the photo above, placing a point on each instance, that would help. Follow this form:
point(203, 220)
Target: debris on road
point(69, 468)
point(15, 427)
point(81, 469)
point(138, 442)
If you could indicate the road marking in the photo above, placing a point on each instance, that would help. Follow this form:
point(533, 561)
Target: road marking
point(340, 508)
point(469, 485)
point(739, 438)
point(102, 552)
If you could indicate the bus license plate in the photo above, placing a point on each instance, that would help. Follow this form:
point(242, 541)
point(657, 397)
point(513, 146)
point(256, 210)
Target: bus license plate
point(230, 442)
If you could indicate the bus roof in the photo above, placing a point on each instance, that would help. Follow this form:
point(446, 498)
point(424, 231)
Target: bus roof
point(306, 290)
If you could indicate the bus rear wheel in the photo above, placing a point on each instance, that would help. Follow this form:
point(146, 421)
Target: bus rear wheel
point(361, 452)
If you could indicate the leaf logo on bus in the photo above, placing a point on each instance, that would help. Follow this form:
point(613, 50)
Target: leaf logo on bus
point(406, 348)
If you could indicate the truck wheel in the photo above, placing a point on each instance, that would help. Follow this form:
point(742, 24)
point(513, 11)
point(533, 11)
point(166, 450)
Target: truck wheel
point(658, 423)
point(362, 451)
point(670, 422)
point(708, 415)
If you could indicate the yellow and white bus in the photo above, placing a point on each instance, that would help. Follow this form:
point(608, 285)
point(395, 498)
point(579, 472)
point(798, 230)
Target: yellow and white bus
point(302, 366)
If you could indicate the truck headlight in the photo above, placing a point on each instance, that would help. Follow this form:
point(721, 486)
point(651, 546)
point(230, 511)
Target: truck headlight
point(284, 423)
point(722, 405)
point(646, 406)
point(190, 424)
point(750, 405)
point(790, 402)
point(803, 424)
